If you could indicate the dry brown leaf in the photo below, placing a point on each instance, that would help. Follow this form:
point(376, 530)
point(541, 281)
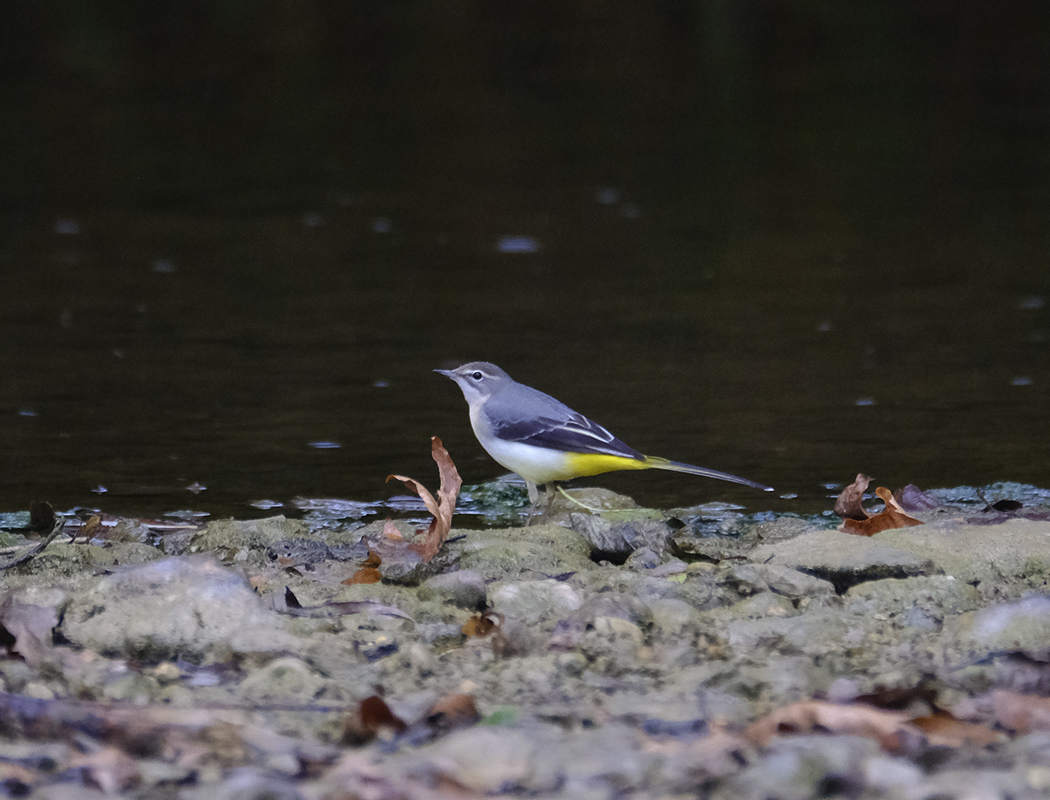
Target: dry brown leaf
point(452, 711)
point(30, 627)
point(364, 575)
point(224, 743)
point(390, 531)
point(443, 507)
point(1021, 713)
point(371, 719)
point(945, 730)
point(891, 729)
point(16, 777)
point(482, 624)
point(849, 504)
point(374, 718)
point(912, 498)
point(369, 572)
point(109, 769)
point(857, 521)
point(90, 529)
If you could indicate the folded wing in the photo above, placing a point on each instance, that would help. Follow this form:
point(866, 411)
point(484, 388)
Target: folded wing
point(572, 434)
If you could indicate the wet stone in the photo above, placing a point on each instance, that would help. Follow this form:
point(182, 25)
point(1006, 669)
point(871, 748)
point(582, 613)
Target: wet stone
point(763, 605)
point(752, 578)
point(843, 559)
point(616, 541)
point(541, 602)
point(1022, 626)
point(922, 602)
point(464, 589)
point(799, 768)
point(286, 679)
point(529, 553)
point(244, 540)
point(993, 558)
point(297, 551)
point(512, 762)
point(173, 608)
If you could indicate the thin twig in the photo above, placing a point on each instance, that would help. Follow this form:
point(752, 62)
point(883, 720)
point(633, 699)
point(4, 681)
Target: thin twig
point(35, 551)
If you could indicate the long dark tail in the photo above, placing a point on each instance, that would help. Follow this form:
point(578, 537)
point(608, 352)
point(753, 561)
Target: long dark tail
point(678, 466)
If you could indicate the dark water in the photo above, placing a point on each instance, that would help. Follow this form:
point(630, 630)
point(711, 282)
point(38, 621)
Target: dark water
point(792, 241)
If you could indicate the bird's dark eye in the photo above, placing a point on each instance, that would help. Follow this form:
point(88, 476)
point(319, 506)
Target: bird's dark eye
point(476, 376)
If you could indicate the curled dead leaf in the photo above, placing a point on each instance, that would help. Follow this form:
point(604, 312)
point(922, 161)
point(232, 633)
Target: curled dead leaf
point(912, 498)
point(849, 504)
point(451, 712)
point(482, 624)
point(111, 770)
point(857, 521)
point(443, 507)
point(1021, 713)
point(364, 575)
point(29, 628)
point(891, 729)
point(942, 729)
point(374, 718)
point(369, 571)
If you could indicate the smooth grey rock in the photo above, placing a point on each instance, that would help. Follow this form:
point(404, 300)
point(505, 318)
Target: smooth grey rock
point(536, 552)
point(673, 617)
point(246, 783)
point(602, 613)
point(797, 767)
point(764, 605)
point(816, 633)
point(464, 589)
point(922, 602)
point(976, 783)
point(844, 559)
point(542, 602)
point(190, 608)
point(1022, 626)
point(288, 680)
point(755, 684)
point(616, 540)
point(511, 760)
point(731, 536)
point(1016, 550)
point(243, 540)
point(610, 754)
point(752, 578)
point(645, 559)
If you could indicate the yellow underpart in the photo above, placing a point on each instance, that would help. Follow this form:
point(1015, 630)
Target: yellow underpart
point(580, 465)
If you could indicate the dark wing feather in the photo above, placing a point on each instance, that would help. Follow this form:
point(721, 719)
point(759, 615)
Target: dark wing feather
point(577, 434)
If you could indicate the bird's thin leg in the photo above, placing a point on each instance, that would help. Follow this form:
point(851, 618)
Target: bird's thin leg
point(548, 491)
point(534, 500)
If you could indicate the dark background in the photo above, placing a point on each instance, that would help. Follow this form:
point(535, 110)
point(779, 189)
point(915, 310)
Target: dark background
point(790, 240)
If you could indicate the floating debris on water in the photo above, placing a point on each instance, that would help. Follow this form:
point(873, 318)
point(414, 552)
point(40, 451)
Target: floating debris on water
point(517, 244)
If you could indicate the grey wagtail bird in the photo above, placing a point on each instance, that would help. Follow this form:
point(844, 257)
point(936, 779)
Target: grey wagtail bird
point(545, 441)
